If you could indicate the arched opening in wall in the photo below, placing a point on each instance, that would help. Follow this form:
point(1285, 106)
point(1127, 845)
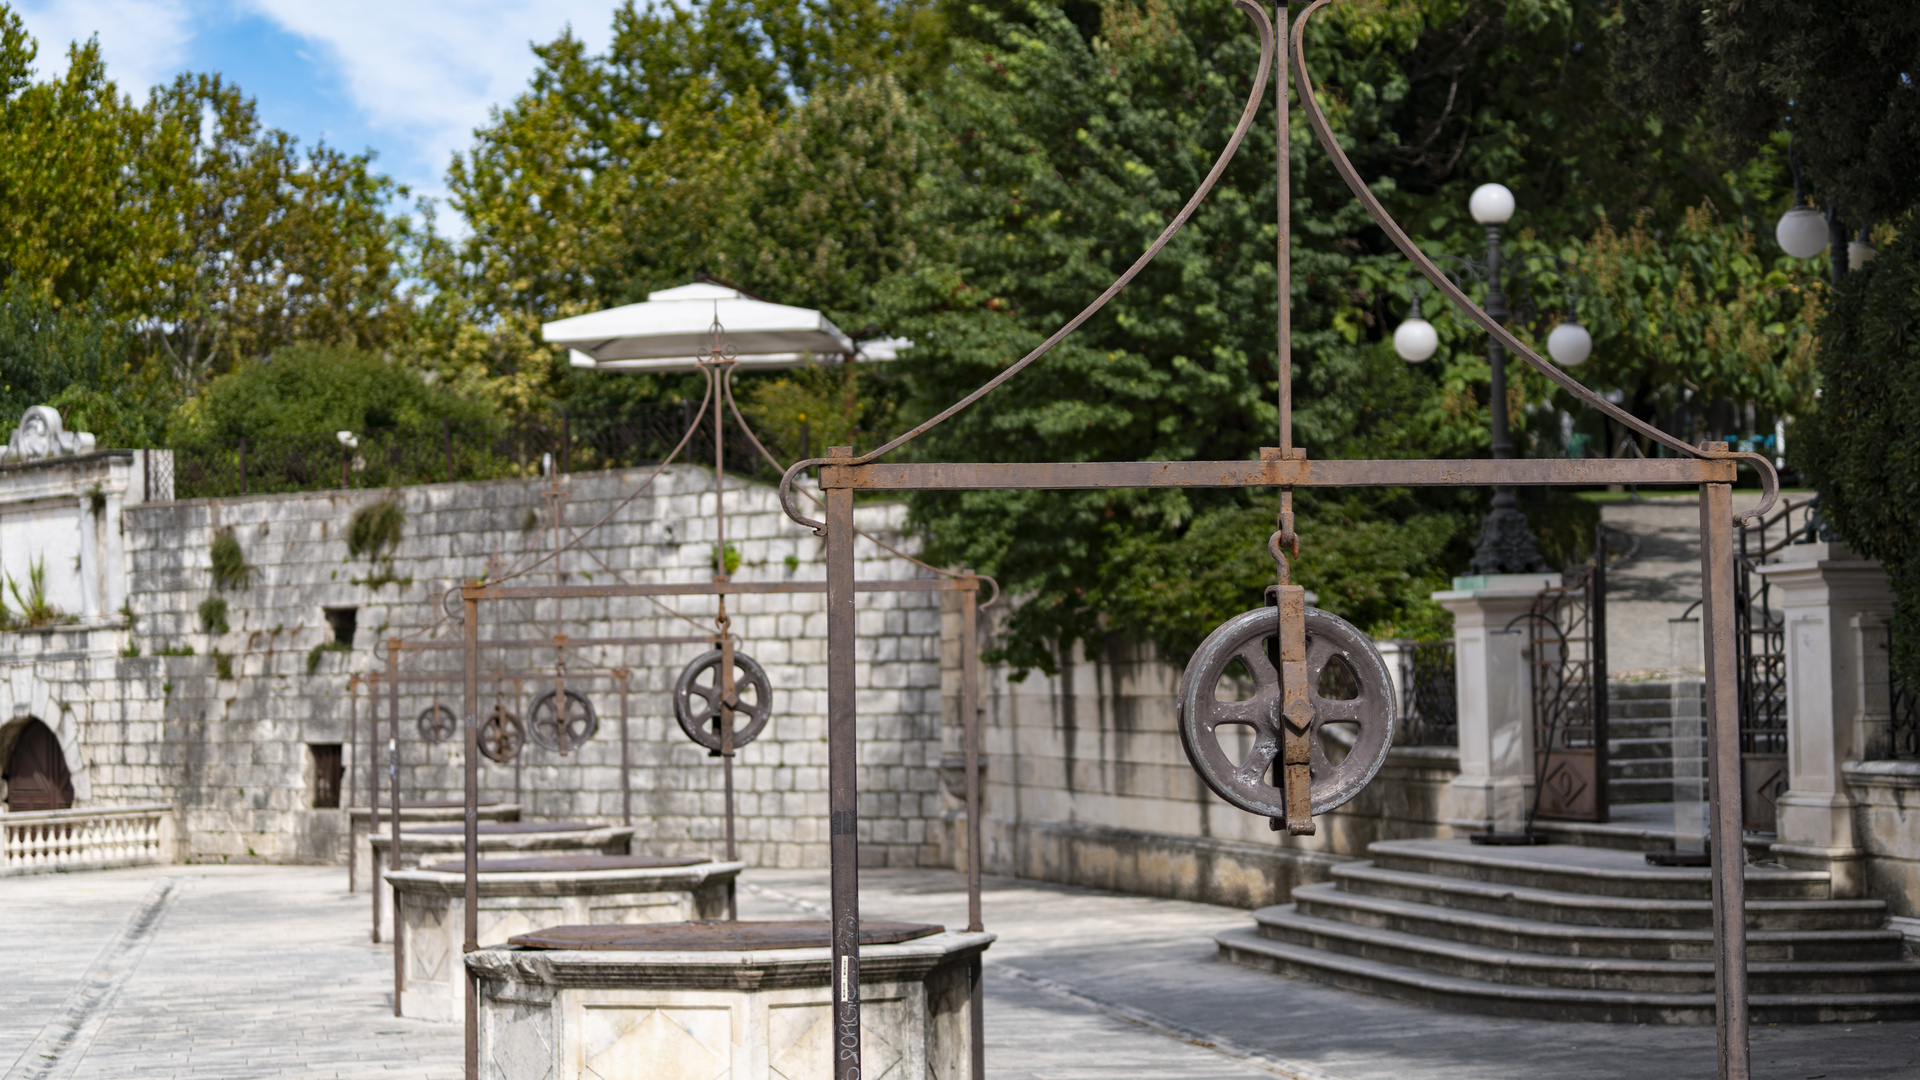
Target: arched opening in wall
point(36, 773)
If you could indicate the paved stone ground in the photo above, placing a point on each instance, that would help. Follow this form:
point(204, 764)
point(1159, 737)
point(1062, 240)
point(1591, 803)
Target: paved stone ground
point(266, 972)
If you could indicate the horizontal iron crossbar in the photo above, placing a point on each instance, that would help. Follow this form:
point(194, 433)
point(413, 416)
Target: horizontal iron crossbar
point(1532, 472)
point(709, 588)
point(562, 641)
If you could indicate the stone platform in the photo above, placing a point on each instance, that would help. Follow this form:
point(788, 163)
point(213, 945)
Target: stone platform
point(363, 823)
point(519, 895)
point(1562, 932)
point(602, 1008)
point(439, 843)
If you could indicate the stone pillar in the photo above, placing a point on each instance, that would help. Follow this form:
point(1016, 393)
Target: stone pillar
point(1493, 692)
point(1836, 606)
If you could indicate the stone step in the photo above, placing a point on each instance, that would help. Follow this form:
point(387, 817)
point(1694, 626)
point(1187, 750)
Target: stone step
point(1633, 835)
point(1640, 790)
point(1651, 768)
point(1328, 901)
point(1640, 749)
point(1482, 963)
point(1246, 946)
point(1595, 871)
point(1653, 691)
point(1549, 905)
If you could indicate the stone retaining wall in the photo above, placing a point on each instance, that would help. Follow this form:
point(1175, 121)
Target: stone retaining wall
point(234, 753)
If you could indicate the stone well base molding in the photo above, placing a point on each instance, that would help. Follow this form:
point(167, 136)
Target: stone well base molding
point(1199, 869)
point(433, 909)
point(722, 1015)
point(1886, 822)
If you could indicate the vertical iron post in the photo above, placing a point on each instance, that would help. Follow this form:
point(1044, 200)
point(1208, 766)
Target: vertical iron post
point(1729, 854)
point(393, 784)
point(970, 721)
point(352, 759)
point(470, 912)
point(373, 796)
point(1282, 197)
point(842, 784)
point(626, 763)
point(1597, 666)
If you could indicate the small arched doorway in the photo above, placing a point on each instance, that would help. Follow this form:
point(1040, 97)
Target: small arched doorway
point(36, 773)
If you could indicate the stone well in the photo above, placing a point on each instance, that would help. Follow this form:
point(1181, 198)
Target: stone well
point(521, 895)
point(503, 839)
point(362, 823)
point(683, 1000)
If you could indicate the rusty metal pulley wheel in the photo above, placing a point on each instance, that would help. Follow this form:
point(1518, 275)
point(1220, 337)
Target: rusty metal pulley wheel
point(501, 736)
point(696, 703)
point(438, 724)
point(545, 726)
point(1347, 685)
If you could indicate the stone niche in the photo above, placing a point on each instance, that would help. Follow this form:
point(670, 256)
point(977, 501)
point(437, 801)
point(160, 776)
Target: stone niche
point(723, 1014)
point(520, 895)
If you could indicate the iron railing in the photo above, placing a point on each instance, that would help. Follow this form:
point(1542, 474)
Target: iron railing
point(1904, 705)
point(563, 441)
point(1429, 712)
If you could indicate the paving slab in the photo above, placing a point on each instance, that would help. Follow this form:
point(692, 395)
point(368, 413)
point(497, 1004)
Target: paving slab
point(266, 972)
point(1155, 959)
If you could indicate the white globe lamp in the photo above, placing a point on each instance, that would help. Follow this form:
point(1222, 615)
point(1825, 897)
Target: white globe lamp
point(1416, 340)
point(1569, 344)
point(1859, 253)
point(1491, 204)
point(1802, 231)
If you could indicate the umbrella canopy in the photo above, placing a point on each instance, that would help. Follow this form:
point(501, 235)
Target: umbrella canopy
point(671, 331)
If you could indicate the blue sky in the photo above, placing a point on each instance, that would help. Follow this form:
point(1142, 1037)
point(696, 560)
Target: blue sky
point(409, 79)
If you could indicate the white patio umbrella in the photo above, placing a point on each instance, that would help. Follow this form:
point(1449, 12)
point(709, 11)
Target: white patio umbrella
point(672, 331)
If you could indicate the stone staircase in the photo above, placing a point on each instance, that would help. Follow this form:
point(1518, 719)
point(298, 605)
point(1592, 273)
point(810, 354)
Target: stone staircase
point(1571, 932)
point(1640, 762)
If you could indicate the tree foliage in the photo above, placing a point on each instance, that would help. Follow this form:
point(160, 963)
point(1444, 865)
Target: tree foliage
point(1838, 73)
point(183, 227)
point(1862, 444)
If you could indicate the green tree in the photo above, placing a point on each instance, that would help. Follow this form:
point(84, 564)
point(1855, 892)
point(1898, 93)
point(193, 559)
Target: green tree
point(1862, 443)
point(1067, 137)
point(186, 222)
point(763, 143)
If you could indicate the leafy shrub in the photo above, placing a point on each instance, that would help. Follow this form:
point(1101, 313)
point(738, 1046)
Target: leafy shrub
point(213, 615)
point(375, 529)
point(222, 664)
point(230, 569)
point(315, 654)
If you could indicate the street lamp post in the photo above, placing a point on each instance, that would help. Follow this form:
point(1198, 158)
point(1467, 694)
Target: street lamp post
point(1506, 544)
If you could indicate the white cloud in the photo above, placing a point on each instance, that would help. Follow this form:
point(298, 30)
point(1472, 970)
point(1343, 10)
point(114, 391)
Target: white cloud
point(144, 41)
point(431, 69)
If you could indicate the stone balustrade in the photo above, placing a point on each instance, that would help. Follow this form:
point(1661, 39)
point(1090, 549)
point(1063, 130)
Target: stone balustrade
point(49, 841)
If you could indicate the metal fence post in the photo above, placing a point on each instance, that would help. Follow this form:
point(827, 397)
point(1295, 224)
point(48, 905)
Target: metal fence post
point(842, 784)
point(1729, 854)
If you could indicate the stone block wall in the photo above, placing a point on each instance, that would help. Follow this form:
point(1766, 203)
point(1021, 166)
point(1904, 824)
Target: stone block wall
point(234, 752)
point(1086, 783)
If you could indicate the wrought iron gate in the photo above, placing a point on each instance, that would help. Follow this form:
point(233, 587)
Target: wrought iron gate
point(1760, 638)
point(1567, 648)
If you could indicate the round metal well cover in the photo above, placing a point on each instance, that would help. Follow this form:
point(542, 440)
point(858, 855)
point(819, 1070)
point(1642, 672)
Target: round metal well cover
point(715, 936)
point(560, 864)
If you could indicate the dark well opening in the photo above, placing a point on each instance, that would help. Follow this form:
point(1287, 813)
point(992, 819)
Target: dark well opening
point(343, 620)
point(328, 770)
